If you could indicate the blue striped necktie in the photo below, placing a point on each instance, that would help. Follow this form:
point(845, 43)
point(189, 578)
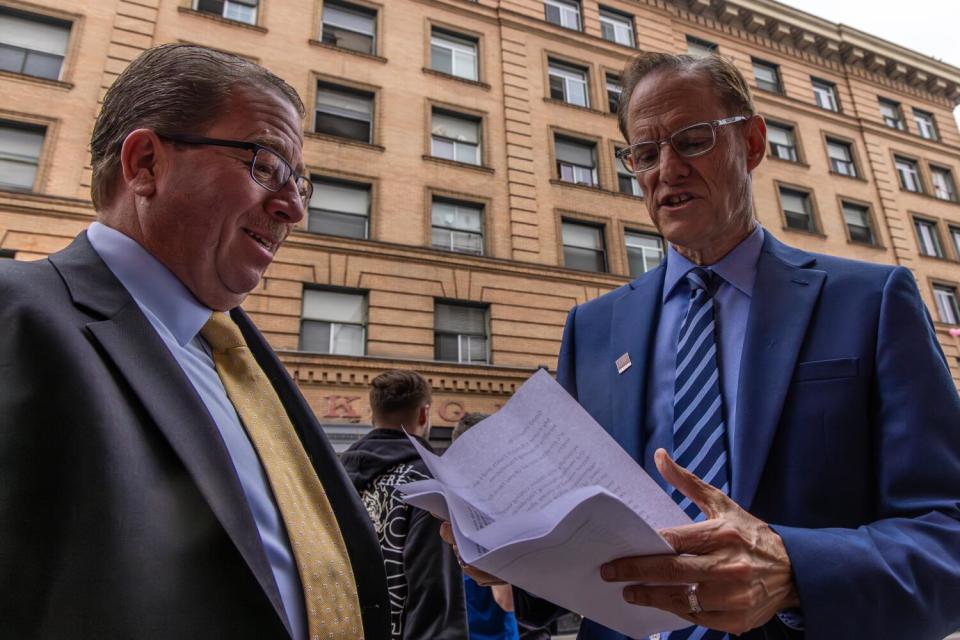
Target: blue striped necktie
point(699, 432)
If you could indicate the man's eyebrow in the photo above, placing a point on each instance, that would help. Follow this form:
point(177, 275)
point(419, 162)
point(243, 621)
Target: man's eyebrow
point(276, 143)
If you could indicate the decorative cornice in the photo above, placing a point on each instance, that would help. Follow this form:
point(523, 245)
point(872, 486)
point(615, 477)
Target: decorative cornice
point(838, 43)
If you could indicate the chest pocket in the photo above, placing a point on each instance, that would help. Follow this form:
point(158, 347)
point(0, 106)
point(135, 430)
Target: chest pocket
point(827, 369)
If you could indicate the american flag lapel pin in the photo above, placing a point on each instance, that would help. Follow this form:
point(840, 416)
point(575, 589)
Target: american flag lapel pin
point(623, 363)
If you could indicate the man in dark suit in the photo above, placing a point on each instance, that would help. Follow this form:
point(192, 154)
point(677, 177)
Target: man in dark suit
point(805, 397)
point(160, 474)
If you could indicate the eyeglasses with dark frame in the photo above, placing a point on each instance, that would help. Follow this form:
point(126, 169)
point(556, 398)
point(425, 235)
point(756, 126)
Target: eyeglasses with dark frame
point(690, 142)
point(267, 167)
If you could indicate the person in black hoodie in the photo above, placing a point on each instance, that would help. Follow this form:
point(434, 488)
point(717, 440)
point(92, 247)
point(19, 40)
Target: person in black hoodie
point(423, 575)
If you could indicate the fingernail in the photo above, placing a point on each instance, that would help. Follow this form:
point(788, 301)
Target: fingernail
point(608, 572)
point(629, 596)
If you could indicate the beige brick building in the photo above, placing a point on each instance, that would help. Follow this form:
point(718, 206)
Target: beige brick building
point(467, 192)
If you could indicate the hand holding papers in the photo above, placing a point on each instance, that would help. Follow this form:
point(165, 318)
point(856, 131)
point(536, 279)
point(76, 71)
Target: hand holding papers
point(540, 496)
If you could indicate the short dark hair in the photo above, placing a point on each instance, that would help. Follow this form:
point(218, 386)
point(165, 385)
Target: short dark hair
point(172, 88)
point(395, 395)
point(728, 83)
point(467, 421)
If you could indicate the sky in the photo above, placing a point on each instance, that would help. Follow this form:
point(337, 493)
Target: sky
point(930, 27)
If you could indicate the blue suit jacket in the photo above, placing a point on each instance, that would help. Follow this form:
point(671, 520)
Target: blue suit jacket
point(847, 438)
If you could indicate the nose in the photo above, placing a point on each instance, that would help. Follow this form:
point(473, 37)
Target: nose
point(285, 205)
point(673, 166)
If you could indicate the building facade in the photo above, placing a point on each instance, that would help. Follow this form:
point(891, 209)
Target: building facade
point(467, 193)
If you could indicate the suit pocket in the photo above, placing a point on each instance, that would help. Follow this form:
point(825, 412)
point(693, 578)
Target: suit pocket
point(827, 369)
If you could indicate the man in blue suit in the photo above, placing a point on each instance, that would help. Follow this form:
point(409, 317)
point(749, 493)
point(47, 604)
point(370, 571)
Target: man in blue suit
point(806, 394)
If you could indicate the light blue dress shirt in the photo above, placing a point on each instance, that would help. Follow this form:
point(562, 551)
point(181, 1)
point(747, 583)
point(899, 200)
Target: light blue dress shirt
point(738, 270)
point(177, 317)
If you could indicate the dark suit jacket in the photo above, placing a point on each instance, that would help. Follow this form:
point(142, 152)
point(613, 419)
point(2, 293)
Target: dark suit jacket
point(121, 514)
point(847, 438)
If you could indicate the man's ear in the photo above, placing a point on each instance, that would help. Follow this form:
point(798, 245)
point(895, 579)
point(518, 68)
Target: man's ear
point(423, 415)
point(756, 141)
point(141, 156)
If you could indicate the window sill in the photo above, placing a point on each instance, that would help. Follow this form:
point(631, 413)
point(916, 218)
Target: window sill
point(815, 234)
point(463, 165)
point(582, 187)
point(347, 141)
point(796, 163)
point(771, 92)
point(23, 77)
point(866, 245)
point(221, 19)
point(848, 177)
point(937, 258)
point(564, 103)
point(368, 56)
point(449, 76)
point(929, 196)
point(827, 110)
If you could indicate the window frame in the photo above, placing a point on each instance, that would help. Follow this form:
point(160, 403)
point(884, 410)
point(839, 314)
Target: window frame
point(791, 130)
point(921, 186)
point(601, 226)
point(46, 130)
point(937, 285)
point(871, 219)
point(444, 31)
point(608, 79)
point(612, 16)
point(8, 254)
point(557, 168)
point(488, 337)
point(830, 138)
point(621, 172)
point(560, 5)
point(814, 212)
point(563, 68)
point(628, 231)
point(358, 8)
point(337, 84)
point(433, 196)
point(933, 224)
point(72, 22)
point(712, 47)
point(195, 6)
point(758, 62)
point(449, 112)
point(938, 169)
point(362, 293)
point(831, 87)
point(359, 181)
point(919, 114)
point(900, 124)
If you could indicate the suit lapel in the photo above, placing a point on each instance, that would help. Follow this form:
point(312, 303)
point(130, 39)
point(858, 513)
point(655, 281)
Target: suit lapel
point(784, 296)
point(143, 360)
point(633, 327)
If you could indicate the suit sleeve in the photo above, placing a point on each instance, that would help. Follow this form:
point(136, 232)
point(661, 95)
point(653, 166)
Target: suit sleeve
point(436, 607)
point(566, 361)
point(897, 577)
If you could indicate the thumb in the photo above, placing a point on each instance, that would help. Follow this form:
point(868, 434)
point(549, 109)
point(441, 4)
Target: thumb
point(710, 499)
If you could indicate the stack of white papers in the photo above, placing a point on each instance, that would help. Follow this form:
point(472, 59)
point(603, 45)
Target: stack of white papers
point(541, 496)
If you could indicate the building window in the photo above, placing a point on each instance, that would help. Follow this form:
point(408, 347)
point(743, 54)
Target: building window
point(614, 89)
point(797, 209)
point(943, 185)
point(617, 27)
point(926, 125)
point(700, 48)
point(244, 11)
point(583, 247)
point(20, 147)
point(455, 137)
point(947, 308)
point(825, 94)
point(783, 144)
point(955, 237)
point(460, 333)
point(841, 158)
point(345, 113)
point(857, 218)
point(339, 208)
point(891, 114)
point(7, 254)
point(568, 83)
point(576, 161)
point(453, 54)
point(928, 238)
point(333, 322)
point(767, 76)
point(349, 26)
point(457, 226)
point(627, 180)
point(32, 45)
point(565, 13)
point(909, 174)
point(644, 252)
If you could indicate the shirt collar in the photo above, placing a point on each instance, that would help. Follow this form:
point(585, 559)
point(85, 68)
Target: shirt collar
point(150, 283)
point(739, 267)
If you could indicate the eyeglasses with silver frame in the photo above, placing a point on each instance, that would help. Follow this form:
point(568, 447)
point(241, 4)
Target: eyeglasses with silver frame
point(267, 167)
point(690, 142)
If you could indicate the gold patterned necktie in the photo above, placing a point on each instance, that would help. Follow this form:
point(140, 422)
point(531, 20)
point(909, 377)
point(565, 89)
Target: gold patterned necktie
point(329, 588)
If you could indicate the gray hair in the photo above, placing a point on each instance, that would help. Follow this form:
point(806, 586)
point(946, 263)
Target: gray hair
point(172, 88)
point(728, 83)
